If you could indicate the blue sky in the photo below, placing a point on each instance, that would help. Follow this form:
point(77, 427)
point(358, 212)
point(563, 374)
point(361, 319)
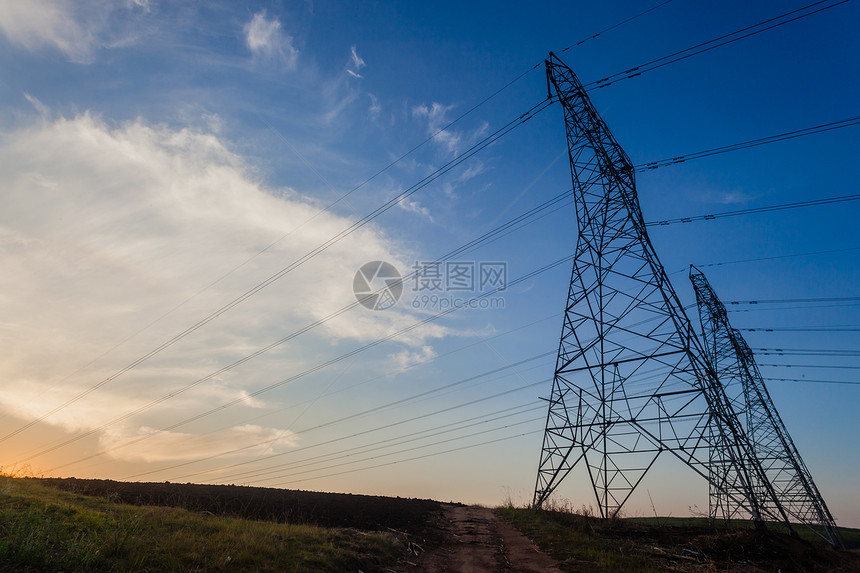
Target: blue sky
point(161, 159)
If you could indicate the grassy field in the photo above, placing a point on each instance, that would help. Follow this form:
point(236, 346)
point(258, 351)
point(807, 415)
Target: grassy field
point(581, 542)
point(46, 529)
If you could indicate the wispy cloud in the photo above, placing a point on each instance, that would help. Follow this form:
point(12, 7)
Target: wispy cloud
point(357, 60)
point(375, 108)
point(435, 114)
point(357, 63)
point(39, 24)
point(415, 207)
point(408, 358)
point(452, 140)
point(266, 39)
point(43, 110)
point(475, 168)
point(78, 29)
point(172, 446)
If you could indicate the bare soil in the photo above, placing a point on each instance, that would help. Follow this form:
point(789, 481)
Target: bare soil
point(474, 540)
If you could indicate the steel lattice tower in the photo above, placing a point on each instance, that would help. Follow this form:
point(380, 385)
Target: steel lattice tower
point(631, 380)
point(784, 470)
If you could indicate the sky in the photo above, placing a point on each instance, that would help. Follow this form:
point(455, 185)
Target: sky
point(185, 191)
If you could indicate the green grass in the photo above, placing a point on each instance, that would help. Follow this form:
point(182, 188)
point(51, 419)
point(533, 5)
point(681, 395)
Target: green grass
point(44, 529)
point(581, 542)
point(573, 540)
point(850, 536)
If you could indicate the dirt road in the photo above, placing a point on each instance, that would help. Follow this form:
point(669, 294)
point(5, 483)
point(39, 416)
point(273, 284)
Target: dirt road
point(474, 540)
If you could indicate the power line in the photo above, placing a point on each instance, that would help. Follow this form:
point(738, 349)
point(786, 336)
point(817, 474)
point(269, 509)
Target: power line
point(796, 300)
point(802, 329)
point(357, 384)
point(848, 122)
point(405, 450)
point(773, 257)
point(329, 206)
point(456, 252)
point(461, 448)
point(280, 383)
point(342, 419)
point(436, 174)
point(782, 308)
point(265, 249)
point(712, 44)
point(755, 210)
point(814, 381)
point(364, 413)
point(630, 19)
point(437, 430)
point(295, 264)
point(92, 389)
point(812, 366)
point(823, 352)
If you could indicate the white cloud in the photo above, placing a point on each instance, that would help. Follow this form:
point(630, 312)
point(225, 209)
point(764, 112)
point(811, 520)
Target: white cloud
point(407, 358)
point(474, 169)
point(172, 446)
point(436, 120)
point(144, 5)
point(267, 40)
point(37, 24)
point(357, 63)
point(454, 141)
point(357, 60)
point(375, 108)
point(43, 110)
point(78, 29)
point(105, 229)
point(414, 207)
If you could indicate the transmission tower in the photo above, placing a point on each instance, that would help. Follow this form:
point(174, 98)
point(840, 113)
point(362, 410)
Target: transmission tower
point(784, 470)
point(631, 380)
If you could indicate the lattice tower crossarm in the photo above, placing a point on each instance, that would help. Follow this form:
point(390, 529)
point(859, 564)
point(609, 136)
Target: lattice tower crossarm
point(631, 381)
point(797, 496)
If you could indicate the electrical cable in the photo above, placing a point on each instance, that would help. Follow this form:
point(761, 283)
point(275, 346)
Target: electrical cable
point(759, 259)
point(295, 264)
point(461, 448)
point(802, 329)
point(733, 40)
point(461, 424)
point(326, 208)
point(456, 252)
point(847, 122)
point(630, 19)
point(694, 50)
point(756, 210)
point(360, 414)
point(834, 352)
point(380, 210)
point(812, 366)
point(796, 300)
point(316, 368)
point(783, 308)
point(814, 381)
point(405, 450)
